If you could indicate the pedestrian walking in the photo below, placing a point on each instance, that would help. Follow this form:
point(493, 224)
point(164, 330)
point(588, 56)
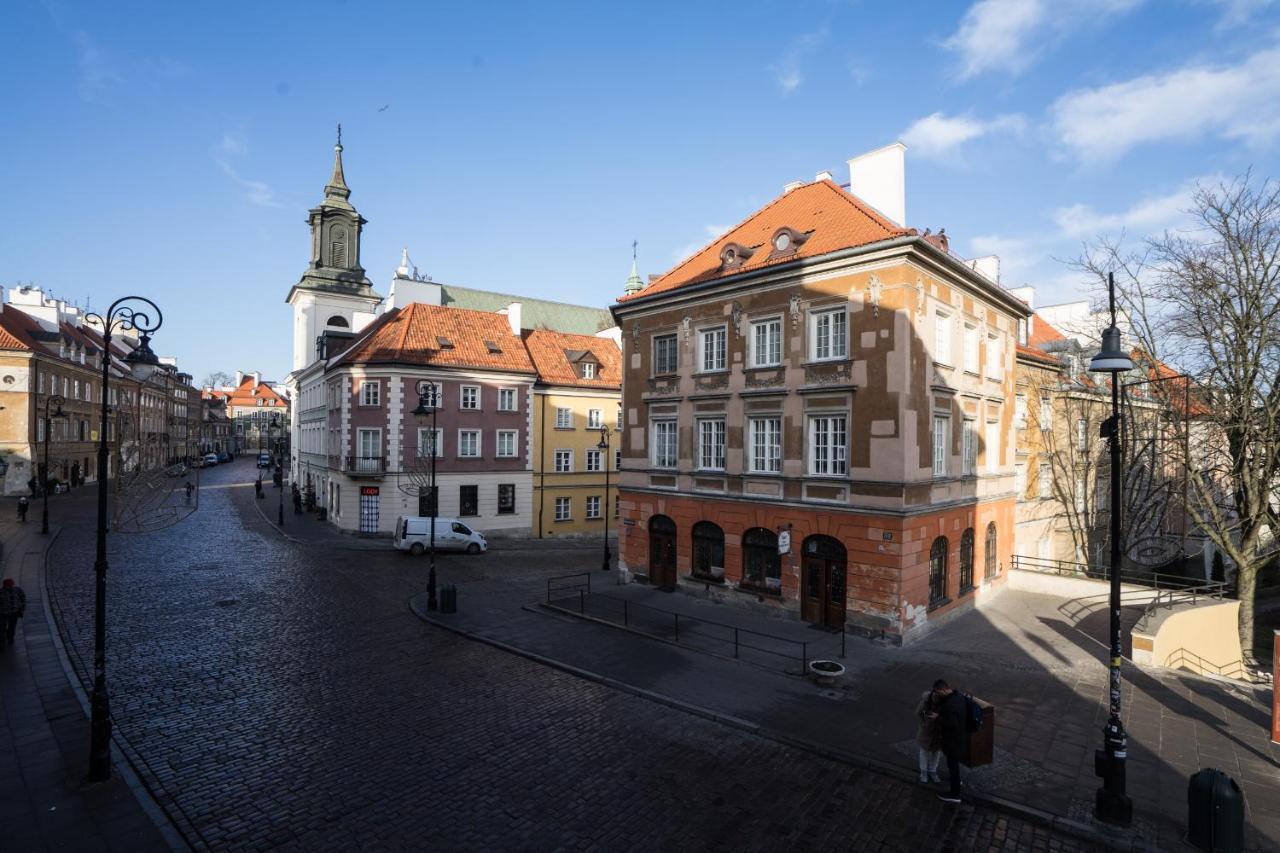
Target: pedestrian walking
point(950, 712)
point(13, 603)
point(928, 737)
point(31, 484)
point(257, 487)
point(190, 489)
point(23, 506)
point(297, 500)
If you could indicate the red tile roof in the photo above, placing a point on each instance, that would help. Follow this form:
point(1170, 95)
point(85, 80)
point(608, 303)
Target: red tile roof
point(551, 352)
point(438, 336)
point(1036, 354)
point(15, 330)
point(832, 219)
point(1042, 332)
point(248, 393)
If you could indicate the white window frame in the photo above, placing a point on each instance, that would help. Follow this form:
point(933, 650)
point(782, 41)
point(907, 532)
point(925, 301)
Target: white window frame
point(716, 358)
point(1044, 488)
point(1046, 414)
point(1082, 434)
point(666, 432)
point(564, 509)
point(370, 393)
point(423, 441)
point(434, 395)
point(462, 397)
point(995, 356)
point(509, 436)
point(619, 424)
point(765, 456)
point(564, 418)
point(970, 348)
point(992, 449)
point(941, 444)
point(505, 394)
point(1020, 411)
point(712, 438)
point(828, 457)
point(588, 370)
point(942, 338)
point(365, 462)
point(766, 352)
point(831, 343)
point(462, 434)
point(562, 460)
point(594, 460)
point(595, 418)
point(969, 448)
point(675, 352)
point(593, 507)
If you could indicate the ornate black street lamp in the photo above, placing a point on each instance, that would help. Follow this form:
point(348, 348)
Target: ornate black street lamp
point(121, 316)
point(276, 424)
point(1111, 803)
point(57, 400)
point(424, 408)
point(604, 446)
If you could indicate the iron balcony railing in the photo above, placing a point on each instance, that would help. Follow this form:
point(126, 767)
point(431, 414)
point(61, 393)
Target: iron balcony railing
point(366, 465)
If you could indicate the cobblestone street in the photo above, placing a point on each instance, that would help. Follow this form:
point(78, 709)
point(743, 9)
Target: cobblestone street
point(283, 696)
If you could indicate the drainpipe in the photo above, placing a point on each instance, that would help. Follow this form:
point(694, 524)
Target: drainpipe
point(542, 473)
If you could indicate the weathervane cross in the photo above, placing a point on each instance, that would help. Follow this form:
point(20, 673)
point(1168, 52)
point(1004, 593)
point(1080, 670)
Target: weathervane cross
point(634, 244)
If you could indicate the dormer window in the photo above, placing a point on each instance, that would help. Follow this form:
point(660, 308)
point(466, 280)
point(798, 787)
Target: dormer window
point(443, 342)
point(588, 370)
point(785, 241)
point(734, 255)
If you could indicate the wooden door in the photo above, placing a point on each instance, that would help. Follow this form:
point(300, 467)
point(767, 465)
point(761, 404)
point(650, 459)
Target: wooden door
point(833, 609)
point(662, 552)
point(823, 600)
point(811, 603)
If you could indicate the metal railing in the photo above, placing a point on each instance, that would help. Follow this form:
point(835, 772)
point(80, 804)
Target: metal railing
point(566, 591)
point(1168, 598)
point(366, 465)
point(1154, 580)
point(1185, 659)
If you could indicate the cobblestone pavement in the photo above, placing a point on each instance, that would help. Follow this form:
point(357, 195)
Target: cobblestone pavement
point(280, 696)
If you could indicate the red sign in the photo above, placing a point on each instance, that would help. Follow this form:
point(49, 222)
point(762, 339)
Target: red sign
point(368, 490)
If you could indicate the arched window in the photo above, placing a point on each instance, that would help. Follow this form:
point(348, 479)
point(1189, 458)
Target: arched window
point(708, 551)
point(761, 565)
point(338, 322)
point(990, 567)
point(938, 572)
point(966, 561)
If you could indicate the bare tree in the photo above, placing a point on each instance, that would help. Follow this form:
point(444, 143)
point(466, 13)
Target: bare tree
point(217, 379)
point(1207, 299)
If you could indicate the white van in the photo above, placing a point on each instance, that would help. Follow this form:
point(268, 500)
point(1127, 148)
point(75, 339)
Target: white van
point(413, 534)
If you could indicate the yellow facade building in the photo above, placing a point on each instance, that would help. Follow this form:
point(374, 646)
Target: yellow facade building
point(575, 408)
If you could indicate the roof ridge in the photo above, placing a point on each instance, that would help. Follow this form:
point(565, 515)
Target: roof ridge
point(863, 207)
point(515, 297)
point(408, 322)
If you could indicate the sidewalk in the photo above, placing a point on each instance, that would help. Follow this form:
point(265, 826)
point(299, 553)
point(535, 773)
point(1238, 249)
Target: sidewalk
point(1022, 653)
point(45, 804)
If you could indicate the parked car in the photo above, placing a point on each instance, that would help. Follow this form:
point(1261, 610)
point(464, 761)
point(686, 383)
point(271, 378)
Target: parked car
point(210, 459)
point(413, 534)
point(264, 460)
point(224, 456)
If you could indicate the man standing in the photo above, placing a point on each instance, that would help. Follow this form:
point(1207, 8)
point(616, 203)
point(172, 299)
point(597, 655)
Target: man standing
point(23, 506)
point(950, 713)
point(13, 602)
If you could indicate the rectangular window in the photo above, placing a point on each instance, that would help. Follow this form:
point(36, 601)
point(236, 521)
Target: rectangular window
point(617, 459)
point(1020, 481)
point(506, 443)
point(1046, 415)
point(468, 500)
point(992, 449)
point(369, 448)
point(711, 444)
point(941, 444)
point(564, 461)
point(665, 444)
point(971, 349)
point(619, 422)
point(432, 395)
point(828, 446)
point(588, 370)
point(470, 396)
point(766, 343)
point(995, 357)
point(1082, 492)
point(942, 338)
point(1020, 411)
point(664, 354)
point(506, 399)
point(1082, 434)
point(593, 460)
point(564, 509)
point(426, 445)
point(830, 333)
point(593, 506)
point(468, 443)
point(1103, 500)
point(1046, 481)
point(766, 445)
point(564, 418)
point(506, 498)
point(595, 419)
point(969, 448)
point(40, 429)
point(370, 394)
point(75, 390)
point(711, 348)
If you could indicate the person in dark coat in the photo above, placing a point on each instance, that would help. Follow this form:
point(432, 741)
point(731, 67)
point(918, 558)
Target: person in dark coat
point(13, 603)
point(297, 499)
point(23, 506)
point(928, 738)
point(949, 711)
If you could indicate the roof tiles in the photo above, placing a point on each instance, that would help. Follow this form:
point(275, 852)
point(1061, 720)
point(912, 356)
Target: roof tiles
point(411, 335)
point(552, 353)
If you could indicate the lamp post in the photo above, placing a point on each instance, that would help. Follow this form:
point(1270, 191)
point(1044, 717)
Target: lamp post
point(57, 400)
point(275, 424)
point(604, 446)
point(121, 316)
point(423, 387)
point(1111, 804)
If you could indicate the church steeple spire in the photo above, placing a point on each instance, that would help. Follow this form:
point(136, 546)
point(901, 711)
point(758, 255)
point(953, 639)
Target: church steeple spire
point(634, 283)
point(337, 186)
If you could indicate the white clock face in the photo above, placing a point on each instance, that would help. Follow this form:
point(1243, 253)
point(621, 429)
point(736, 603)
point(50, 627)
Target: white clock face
point(781, 242)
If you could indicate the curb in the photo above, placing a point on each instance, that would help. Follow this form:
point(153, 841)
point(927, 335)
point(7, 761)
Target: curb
point(1112, 841)
point(123, 757)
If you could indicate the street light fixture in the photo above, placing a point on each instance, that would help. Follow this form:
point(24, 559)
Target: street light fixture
point(604, 446)
point(1111, 804)
point(424, 386)
point(57, 400)
point(276, 424)
point(142, 362)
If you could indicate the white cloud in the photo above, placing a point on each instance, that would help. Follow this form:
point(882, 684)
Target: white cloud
point(1019, 256)
point(234, 145)
point(1147, 216)
point(1236, 13)
point(1007, 35)
point(1239, 101)
point(786, 71)
point(97, 79)
point(937, 135)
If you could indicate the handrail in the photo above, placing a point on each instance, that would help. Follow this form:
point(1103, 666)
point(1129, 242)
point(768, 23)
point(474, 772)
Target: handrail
point(1167, 599)
point(1155, 580)
point(1183, 656)
point(575, 586)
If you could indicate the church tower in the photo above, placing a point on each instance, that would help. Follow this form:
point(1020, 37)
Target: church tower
point(334, 292)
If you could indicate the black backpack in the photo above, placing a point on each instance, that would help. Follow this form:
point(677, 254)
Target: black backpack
point(972, 714)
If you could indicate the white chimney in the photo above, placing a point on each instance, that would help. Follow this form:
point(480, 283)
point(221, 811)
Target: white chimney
point(239, 378)
point(408, 287)
point(988, 266)
point(791, 186)
point(1027, 294)
point(824, 175)
point(257, 379)
point(513, 317)
point(879, 178)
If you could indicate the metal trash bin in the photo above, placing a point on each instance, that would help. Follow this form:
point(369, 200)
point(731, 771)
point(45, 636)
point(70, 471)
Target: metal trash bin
point(449, 599)
point(1215, 812)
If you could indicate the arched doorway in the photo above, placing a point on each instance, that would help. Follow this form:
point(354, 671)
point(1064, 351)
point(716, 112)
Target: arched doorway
point(708, 551)
point(822, 601)
point(662, 552)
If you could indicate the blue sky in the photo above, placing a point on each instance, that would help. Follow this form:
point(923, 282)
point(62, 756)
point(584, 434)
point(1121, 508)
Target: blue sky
point(173, 149)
